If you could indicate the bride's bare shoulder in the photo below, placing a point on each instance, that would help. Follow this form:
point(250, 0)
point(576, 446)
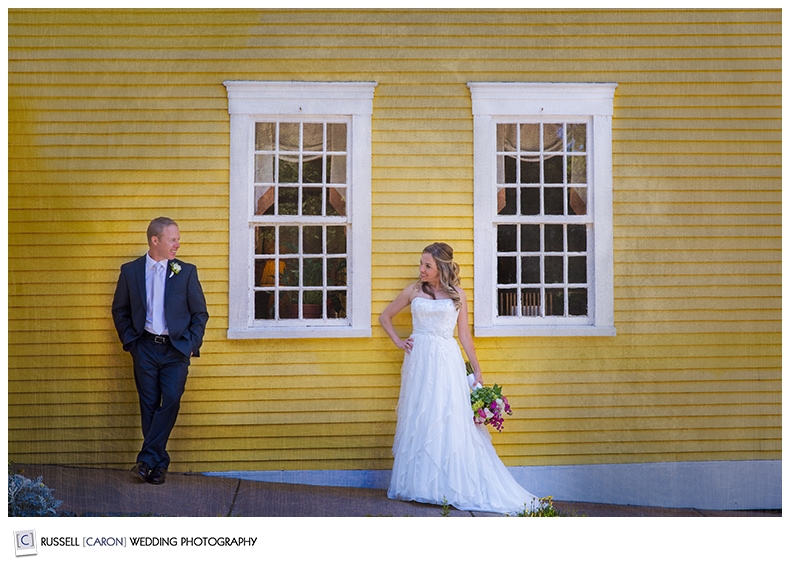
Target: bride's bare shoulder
point(414, 290)
point(410, 292)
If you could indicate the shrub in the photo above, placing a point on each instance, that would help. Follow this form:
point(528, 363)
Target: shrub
point(30, 498)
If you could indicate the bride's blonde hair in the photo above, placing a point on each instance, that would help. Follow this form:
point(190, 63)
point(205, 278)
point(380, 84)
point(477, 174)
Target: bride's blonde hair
point(448, 271)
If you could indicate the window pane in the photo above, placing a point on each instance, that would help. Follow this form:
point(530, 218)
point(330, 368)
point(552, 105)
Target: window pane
point(553, 202)
point(336, 304)
point(506, 238)
point(530, 302)
point(577, 137)
point(288, 200)
point(530, 202)
point(577, 169)
point(289, 137)
point(335, 202)
point(577, 269)
point(530, 171)
point(336, 137)
point(313, 272)
point(289, 304)
point(577, 201)
point(555, 302)
point(313, 137)
point(336, 239)
point(288, 170)
point(313, 240)
point(577, 302)
point(289, 240)
point(553, 238)
point(509, 174)
point(505, 137)
point(264, 273)
point(577, 238)
point(264, 136)
point(289, 273)
point(507, 305)
point(264, 305)
point(336, 169)
point(336, 271)
point(530, 238)
point(552, 137)
point(264, 168)
point(530, 137)
point(506, 270)
point(312, 304)
point(530, 269)
point(553, 269)
point(264, 200)
point(311, 201)
point(509, 206)
point(312, 170)
point(264, 240)
point(552, 170)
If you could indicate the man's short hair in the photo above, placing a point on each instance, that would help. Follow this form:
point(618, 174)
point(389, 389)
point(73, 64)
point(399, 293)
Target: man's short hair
point(158, 225)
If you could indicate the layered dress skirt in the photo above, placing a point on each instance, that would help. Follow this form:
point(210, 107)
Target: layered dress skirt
point(441, 455)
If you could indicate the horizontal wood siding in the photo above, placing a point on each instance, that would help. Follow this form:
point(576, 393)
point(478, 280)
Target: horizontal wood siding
point(117, 116)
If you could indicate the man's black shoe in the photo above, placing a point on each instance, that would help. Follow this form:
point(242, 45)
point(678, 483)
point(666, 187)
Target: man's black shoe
point(157, 476)
point(141, 471)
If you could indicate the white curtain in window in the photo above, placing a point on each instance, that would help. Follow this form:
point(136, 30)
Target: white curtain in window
point(525, 138)
point(312, 148)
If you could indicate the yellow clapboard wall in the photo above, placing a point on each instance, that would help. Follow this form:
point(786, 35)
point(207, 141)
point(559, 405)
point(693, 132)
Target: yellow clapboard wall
point(118, 116)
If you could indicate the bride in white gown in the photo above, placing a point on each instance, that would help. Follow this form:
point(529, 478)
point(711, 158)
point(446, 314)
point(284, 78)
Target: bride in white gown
point(440, 454)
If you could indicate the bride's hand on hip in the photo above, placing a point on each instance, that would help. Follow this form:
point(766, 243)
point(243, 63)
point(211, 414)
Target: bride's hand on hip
point(406, 345)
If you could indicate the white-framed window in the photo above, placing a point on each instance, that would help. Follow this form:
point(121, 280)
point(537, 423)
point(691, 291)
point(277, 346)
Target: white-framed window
point(300, 206)
point(543, 209)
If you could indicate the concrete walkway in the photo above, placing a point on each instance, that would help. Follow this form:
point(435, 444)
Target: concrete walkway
point(111, 492)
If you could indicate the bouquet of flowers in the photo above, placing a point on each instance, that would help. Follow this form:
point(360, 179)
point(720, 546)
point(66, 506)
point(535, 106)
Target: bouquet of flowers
point(489, 405)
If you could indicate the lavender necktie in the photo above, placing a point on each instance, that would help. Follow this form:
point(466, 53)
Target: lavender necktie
point(159, 300)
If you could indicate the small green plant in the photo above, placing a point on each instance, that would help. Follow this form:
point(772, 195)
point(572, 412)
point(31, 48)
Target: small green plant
point(445, 508)
point(544, 508)
point(30, 498)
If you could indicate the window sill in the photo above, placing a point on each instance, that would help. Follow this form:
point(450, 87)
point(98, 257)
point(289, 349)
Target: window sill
point(315, 332)
point(503, 331)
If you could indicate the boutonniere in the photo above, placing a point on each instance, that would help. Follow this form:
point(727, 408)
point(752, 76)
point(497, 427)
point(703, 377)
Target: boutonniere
point(175, 268)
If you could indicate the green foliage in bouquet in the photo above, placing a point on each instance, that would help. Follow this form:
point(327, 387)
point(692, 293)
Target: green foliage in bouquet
point(490, 406)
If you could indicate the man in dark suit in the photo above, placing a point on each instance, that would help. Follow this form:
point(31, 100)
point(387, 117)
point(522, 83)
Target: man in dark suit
point(160, 314)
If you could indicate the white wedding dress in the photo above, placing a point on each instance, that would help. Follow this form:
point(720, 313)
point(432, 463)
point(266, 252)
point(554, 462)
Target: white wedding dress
point(440, 454)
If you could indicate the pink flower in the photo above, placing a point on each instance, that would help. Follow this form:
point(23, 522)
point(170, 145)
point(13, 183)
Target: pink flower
point(490, 406)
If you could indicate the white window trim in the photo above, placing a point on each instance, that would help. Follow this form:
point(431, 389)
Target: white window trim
point(494, 103)
point(251, 100)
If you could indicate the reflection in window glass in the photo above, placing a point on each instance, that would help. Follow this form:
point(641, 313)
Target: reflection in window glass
point(541, 252)
point(300, 268)
point(336, 239)
point(506, 237)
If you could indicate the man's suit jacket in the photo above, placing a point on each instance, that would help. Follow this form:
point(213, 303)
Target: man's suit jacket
point(185, 306)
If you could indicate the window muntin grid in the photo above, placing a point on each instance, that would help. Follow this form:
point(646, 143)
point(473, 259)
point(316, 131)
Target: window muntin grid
point(300, 246)
point(542, 220)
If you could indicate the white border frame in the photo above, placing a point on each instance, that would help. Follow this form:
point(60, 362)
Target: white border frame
point(248, 99)
point(493, 103)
